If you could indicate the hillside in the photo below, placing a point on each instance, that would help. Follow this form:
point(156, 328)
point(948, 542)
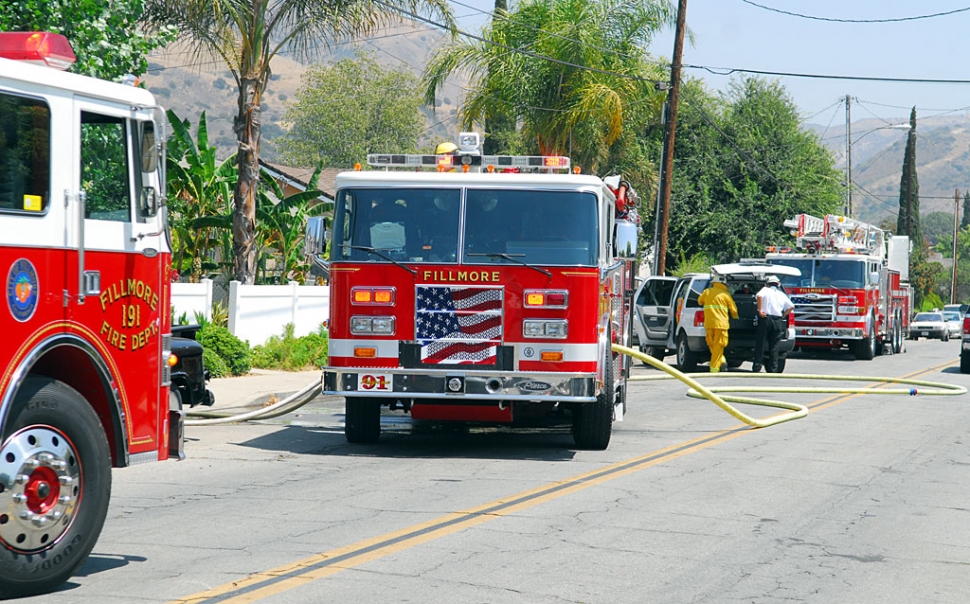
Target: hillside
point(942, 157)
point(190, 85)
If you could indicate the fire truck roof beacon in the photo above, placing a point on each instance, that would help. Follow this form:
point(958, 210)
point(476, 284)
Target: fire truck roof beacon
point(52, 50)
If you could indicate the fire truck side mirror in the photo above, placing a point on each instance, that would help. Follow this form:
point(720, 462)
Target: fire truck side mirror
point(315, 242)
point(874, 278)
point(315, 245)
point(625, 240)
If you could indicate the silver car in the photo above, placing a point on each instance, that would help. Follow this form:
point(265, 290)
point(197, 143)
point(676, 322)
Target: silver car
point(954, 321)
point(929, 325)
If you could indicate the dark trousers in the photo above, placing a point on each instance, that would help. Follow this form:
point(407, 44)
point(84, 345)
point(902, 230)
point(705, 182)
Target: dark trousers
point(771, 329)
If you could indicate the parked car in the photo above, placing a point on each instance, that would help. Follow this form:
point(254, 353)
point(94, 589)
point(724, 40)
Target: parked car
point(960, 308)
point(954, 321)
point(669, 318)
point(929, 325)
point(965, 346)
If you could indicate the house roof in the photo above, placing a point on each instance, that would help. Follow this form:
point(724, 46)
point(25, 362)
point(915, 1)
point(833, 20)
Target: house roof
point(298, 177)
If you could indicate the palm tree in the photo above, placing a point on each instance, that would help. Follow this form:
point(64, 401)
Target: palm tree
point(246, 35)
point(281, 224)
point(200, 195)
point(573, 73)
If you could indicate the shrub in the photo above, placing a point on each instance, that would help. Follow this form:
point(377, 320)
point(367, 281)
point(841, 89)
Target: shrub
point(214, 363)
point(290, 353)
point(233, 351)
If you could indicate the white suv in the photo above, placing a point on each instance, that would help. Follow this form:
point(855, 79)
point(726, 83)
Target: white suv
point(669, 319)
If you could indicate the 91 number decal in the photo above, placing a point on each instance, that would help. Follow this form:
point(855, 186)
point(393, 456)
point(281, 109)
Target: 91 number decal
point(375, 381)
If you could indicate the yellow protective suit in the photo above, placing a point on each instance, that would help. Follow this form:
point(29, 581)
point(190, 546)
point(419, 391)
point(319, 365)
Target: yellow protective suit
point(718, 306)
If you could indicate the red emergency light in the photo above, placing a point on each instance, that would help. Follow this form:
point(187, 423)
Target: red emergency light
point(40, 47)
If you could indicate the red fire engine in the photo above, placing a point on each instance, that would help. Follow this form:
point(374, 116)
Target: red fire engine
point(85, 255)
point(488, 290)
point(852, 291)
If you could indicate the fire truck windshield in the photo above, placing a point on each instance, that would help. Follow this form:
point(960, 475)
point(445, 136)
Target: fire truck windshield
point(825, 272)
point(501, 226)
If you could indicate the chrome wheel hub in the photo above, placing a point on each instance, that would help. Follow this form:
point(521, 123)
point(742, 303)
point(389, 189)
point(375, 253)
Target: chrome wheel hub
point(40, 487)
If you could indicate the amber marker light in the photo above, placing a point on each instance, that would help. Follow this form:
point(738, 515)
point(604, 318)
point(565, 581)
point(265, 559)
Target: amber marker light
point(365, 353)
point(552, 356)
point(172, 359)
point(357, 167)
point(362, 296)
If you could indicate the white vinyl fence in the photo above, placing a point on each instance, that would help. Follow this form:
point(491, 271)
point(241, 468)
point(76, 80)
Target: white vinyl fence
point(258, 312)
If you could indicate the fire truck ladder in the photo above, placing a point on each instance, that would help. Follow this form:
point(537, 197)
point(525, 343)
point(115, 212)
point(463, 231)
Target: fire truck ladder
point(839, 234)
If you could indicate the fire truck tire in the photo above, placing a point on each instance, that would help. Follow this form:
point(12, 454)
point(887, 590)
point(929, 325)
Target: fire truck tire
point(593, 422)
point(55, 440)
point(362, 420)
point(898, 335)
point(866, 349)
point(686, 359)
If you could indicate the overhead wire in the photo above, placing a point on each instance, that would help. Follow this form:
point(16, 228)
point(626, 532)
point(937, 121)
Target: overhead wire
point(834, 20)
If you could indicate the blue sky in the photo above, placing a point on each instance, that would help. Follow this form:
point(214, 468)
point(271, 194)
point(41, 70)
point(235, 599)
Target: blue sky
point(736, 34)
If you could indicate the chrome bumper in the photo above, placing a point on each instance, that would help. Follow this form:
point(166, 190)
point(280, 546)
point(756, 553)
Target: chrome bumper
point(842, 333)
point(459, 384)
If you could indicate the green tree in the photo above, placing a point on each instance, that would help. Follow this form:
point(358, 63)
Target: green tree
point(965, 219)
point(103, 33)
point(246, 35)
point(353, 107)
point(935, 225)
point(200, 199)
point(742, 165)
point(573, 73)
point(908, 223)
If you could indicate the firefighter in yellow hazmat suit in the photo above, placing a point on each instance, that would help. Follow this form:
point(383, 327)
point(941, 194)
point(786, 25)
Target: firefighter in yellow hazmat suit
point(718, 307)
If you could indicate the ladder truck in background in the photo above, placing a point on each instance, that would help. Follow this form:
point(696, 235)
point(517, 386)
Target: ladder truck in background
point(853, 291)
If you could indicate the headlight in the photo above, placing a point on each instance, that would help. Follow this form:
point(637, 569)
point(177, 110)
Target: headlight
point(361, 325)
point(545, 328)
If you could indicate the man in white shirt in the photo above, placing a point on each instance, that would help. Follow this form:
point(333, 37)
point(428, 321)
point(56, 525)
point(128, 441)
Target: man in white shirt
point(773, 310)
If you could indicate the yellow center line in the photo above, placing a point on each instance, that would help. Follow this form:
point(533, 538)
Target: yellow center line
point(284, 578)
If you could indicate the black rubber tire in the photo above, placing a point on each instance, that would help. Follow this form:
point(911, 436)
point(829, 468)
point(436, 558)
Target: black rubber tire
point(56, 409)
point(653, 351)
point(686, 360)
point(593, 422)
point(362, 420)
point(898, 335)
point(865, 350)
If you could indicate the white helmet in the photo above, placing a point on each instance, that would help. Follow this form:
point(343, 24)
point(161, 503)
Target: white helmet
point(773, 280)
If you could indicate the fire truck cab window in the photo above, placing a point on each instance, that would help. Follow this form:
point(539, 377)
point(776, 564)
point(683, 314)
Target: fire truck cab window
point(406, 225)
point(535, 227)
point(25, 143)
point(104, 167)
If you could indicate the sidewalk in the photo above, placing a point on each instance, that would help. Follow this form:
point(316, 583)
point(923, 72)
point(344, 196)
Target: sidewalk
point(258, 387)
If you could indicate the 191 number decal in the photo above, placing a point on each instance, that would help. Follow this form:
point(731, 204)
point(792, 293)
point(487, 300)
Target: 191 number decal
point(375, 381)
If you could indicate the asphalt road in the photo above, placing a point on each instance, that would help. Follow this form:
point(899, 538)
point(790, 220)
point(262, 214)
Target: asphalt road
point(864, 501)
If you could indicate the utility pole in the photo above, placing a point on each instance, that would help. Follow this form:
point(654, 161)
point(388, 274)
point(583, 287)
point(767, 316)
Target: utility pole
point(670, 129)
point(956, 231)
point(848, 156)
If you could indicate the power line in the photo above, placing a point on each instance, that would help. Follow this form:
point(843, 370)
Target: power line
point(833, 20)
point(725, 71)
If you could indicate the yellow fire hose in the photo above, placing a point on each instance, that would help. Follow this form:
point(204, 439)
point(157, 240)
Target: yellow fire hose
point(697, 390)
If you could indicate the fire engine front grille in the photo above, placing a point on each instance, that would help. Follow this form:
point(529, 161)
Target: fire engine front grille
point(814, 307)
point(458, 325)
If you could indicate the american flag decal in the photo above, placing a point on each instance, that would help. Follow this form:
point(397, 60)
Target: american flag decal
point(458, 325)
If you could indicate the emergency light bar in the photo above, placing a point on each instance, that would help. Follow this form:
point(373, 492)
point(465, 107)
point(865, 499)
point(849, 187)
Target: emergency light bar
point(389, 160)
point(52, 50)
